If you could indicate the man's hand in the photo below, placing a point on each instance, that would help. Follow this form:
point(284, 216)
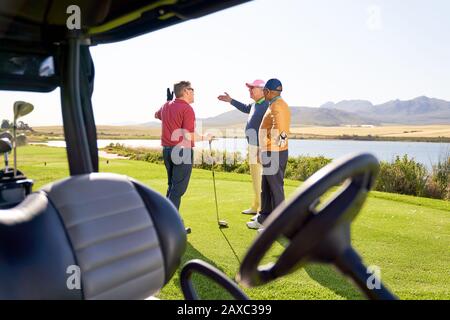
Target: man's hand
point(225, 97)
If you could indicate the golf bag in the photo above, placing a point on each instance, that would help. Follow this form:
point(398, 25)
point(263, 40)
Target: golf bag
point(13, 189)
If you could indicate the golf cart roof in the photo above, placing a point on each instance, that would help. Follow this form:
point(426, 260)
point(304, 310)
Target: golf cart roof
point(31, 31)
point(43, 22)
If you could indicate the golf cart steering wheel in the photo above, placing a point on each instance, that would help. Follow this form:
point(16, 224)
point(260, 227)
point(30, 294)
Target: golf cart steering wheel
point(318, 233)
point(209, 271)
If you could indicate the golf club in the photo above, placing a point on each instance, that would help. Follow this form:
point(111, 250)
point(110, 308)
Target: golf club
point(7, 135)
point(20, 109)
point(5, 147)
point(13, 189)
point(221, 223)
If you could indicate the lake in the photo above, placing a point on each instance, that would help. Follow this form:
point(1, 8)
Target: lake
point(427, 153)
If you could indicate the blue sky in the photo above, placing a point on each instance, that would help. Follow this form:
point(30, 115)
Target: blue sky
point(322, 50)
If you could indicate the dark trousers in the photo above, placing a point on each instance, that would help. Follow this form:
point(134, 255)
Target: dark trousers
point(178, 162)
point(272, 185)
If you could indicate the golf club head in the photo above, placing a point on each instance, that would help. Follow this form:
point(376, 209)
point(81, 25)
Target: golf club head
point(22, 108)
point(223, 224)
point(5, 145)
point(6, 135)
point(21, 140)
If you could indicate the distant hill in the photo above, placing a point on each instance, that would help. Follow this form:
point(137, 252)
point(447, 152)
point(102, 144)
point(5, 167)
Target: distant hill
point(422, 110)
point(152, 124)
point(226, 119)
point(418, 111)
point(349, 105)
point(299, 116)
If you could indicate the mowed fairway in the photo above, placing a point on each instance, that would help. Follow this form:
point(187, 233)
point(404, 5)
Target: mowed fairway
point(407, 237)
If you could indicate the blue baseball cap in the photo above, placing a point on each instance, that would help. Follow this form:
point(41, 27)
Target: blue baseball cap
point(274, 84)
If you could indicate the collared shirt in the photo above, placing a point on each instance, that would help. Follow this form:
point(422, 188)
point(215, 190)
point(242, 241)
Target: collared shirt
point(274, 99)
point(178, 119)
point(256, 111)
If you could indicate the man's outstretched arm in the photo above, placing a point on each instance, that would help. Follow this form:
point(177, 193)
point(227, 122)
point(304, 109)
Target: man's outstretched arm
point(238, 105)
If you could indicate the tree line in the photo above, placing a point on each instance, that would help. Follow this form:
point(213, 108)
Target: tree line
point(6, 124)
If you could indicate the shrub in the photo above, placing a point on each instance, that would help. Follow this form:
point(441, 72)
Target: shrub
point(433, 190)
point(301, 168)
point(441, 178)
point(404, 175)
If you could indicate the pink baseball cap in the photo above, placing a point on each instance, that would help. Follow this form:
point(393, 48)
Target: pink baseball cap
point(257, 83)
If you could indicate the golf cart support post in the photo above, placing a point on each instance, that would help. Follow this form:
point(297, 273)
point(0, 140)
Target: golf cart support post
point(79, 153)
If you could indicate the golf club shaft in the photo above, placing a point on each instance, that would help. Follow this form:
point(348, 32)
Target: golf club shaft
point(214, 181)
point(6, 162)
point(217, 207)
point(15, 147)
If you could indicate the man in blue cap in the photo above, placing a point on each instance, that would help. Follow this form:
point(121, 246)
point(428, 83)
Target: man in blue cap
point(273, 143)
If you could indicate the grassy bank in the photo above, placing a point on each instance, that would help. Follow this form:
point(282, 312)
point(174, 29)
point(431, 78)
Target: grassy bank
point(407, 237)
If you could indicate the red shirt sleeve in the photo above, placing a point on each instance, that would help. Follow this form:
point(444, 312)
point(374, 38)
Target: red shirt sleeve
point(189, 120)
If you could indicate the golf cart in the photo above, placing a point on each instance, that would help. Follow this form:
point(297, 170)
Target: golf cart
point(124, 239)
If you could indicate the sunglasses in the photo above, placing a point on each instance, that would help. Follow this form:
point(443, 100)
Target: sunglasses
point(192, 89)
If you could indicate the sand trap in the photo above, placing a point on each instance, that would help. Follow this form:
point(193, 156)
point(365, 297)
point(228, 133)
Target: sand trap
point(104, 154)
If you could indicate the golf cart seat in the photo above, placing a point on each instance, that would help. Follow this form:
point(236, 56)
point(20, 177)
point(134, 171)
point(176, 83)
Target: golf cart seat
point(91, 236)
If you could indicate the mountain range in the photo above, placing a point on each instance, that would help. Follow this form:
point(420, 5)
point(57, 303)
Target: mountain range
point(418, 111)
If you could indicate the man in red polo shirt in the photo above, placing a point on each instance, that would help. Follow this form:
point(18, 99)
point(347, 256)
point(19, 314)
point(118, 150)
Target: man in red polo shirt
point(177, 140)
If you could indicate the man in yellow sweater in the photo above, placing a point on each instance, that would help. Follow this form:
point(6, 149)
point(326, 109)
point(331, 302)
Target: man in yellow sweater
point(273, 141)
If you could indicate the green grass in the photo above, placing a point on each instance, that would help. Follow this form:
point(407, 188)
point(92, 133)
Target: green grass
point(408, 237)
